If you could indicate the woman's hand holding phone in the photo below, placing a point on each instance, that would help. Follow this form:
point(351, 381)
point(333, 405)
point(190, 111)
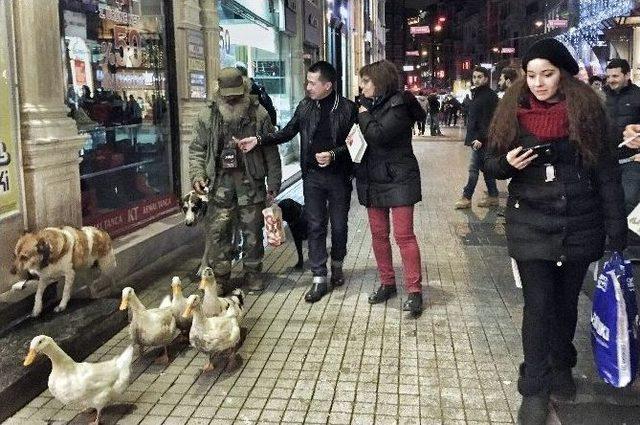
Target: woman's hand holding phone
point(519, 158)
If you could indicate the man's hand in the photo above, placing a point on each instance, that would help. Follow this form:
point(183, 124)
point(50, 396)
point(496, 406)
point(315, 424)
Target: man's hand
point(323, 158)
point(632, 131)
point(519, 158)
point(200, 186)
point(247, 143)
point(476, 145)
point(362, 109)
point(349, 140)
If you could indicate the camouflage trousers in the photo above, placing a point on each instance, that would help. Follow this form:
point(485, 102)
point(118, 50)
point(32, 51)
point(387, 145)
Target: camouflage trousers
point(235, 202)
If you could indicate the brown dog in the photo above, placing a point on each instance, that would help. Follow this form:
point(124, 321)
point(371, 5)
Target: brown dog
point(56, 252)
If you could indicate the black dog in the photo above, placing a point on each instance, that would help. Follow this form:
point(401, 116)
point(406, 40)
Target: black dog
point(293, 214)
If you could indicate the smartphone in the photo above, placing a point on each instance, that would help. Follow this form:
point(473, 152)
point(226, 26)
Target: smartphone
point(543, 151)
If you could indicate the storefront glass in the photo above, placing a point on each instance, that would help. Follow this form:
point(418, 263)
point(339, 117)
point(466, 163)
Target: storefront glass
point(253, 40)
point(116, 73)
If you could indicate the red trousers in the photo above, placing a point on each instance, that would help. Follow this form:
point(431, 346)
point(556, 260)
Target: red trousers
point(406, 240)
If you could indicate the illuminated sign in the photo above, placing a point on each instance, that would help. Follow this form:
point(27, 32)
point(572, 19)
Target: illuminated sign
point(420, 30)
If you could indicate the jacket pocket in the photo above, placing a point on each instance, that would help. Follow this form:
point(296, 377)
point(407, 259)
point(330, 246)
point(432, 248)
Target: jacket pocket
point(379, 172)
point(255, 164)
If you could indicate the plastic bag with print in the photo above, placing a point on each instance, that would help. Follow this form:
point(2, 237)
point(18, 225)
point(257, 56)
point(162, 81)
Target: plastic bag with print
point(273, 225)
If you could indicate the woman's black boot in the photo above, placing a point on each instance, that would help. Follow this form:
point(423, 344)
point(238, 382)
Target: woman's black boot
point(383, 293)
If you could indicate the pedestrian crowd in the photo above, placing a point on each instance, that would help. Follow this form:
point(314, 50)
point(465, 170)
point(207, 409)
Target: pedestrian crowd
point(551, 134)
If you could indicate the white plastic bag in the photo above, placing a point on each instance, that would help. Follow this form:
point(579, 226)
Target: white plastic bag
point(273, 225)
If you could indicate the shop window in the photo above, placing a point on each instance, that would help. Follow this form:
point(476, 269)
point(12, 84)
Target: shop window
point(116, 74)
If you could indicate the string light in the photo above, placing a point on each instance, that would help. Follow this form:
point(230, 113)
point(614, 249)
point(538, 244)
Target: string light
point(592, 13)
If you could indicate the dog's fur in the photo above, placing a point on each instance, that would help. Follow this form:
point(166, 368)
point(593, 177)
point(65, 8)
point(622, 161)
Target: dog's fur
point(56, 252)
point(195, 207)
point(293, 214)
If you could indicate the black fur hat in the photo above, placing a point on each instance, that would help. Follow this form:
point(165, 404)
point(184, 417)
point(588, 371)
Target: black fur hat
point(553, 51)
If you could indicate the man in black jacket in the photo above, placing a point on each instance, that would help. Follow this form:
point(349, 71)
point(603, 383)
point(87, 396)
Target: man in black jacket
point(623, 105)
point(323, 119)
point(483, 103)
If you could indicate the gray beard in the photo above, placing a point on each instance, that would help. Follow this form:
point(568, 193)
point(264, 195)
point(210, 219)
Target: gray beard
point(232, 114)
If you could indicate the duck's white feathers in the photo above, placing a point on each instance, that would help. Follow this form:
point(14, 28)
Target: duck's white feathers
point(89, 384)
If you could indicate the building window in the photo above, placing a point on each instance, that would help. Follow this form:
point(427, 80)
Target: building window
point(116, 88)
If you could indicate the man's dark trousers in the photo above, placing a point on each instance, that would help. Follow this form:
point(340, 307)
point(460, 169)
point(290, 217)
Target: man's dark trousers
point(327, 196)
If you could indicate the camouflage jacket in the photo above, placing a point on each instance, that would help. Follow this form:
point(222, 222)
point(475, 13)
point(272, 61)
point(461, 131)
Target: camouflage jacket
point(205, 148)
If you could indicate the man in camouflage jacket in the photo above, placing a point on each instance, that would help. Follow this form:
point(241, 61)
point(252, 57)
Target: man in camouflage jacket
point(235, 181)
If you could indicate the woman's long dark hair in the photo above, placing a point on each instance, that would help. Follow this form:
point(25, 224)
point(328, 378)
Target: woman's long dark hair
point(588, 121)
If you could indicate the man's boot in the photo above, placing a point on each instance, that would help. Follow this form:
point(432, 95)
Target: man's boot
point(254, 281)
point(318, 289)
point(337, 276)
point(563, 386)
point(463, 203)
point(534, 410)
point(489, 201)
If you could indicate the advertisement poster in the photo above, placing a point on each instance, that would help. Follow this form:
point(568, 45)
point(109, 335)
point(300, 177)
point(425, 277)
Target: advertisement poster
point(8, 159)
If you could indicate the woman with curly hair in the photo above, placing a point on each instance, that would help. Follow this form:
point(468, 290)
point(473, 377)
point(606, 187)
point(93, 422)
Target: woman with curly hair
point(549, 135)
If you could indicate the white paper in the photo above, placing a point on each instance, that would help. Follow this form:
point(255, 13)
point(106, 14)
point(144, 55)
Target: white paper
point(633, 220)
point(358, 146)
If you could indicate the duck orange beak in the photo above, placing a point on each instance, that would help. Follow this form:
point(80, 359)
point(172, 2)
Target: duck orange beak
point(124, 304)
point(31, 356)
point(203, 283)
point(187, 311)
point(176, 290)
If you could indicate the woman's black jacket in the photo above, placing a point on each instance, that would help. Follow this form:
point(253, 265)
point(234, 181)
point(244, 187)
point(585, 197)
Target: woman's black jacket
point(565, 219)
point(388, 175)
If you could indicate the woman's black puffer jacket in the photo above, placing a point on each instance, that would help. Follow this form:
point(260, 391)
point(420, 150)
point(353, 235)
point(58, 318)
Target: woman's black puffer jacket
point(388, 175)
point(565, 219)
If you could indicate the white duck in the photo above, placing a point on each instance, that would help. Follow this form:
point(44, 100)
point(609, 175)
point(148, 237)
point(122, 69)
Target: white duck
point(214, 336)
point(155, 327)
point(92, 385)
point(212, 304)
point(178, 304)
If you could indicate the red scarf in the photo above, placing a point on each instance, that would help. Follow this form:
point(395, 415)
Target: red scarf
point(544, 120)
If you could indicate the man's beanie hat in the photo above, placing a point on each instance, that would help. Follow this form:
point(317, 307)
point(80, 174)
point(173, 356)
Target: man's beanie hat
point(553, 51)
point(230, 82)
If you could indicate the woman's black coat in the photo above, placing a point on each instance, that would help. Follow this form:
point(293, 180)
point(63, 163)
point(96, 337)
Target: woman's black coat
point(388, 175)
point(565, 219)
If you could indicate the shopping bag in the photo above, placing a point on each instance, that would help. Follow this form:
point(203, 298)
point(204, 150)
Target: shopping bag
point(633, 220)
point(358, 145)
point(614, 323)
point(273, 225)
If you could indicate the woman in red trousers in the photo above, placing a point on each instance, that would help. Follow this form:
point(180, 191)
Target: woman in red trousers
point(388, 178)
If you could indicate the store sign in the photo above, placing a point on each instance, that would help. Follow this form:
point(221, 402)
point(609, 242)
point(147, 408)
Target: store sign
point(407, 68)
point(509, 50)
point(197, 65)
point(125, 49)
point(124, 220)
point(116, 15)
point(558, 23)
point(420, 30)
point(195, 44)
point(8, 164)
point(412, 53)
point(197, 85)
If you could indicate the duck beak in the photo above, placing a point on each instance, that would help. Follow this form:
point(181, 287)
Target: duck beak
point(176, 290)
point(203, 283)
point(124, 304)
point(31, 356)
point(187, 311)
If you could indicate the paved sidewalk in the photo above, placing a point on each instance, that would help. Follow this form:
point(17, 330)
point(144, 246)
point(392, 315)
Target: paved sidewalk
point(342, 361)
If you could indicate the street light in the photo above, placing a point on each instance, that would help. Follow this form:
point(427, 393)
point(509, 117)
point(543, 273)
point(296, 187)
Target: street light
point(538, 23)
point(437, 28)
